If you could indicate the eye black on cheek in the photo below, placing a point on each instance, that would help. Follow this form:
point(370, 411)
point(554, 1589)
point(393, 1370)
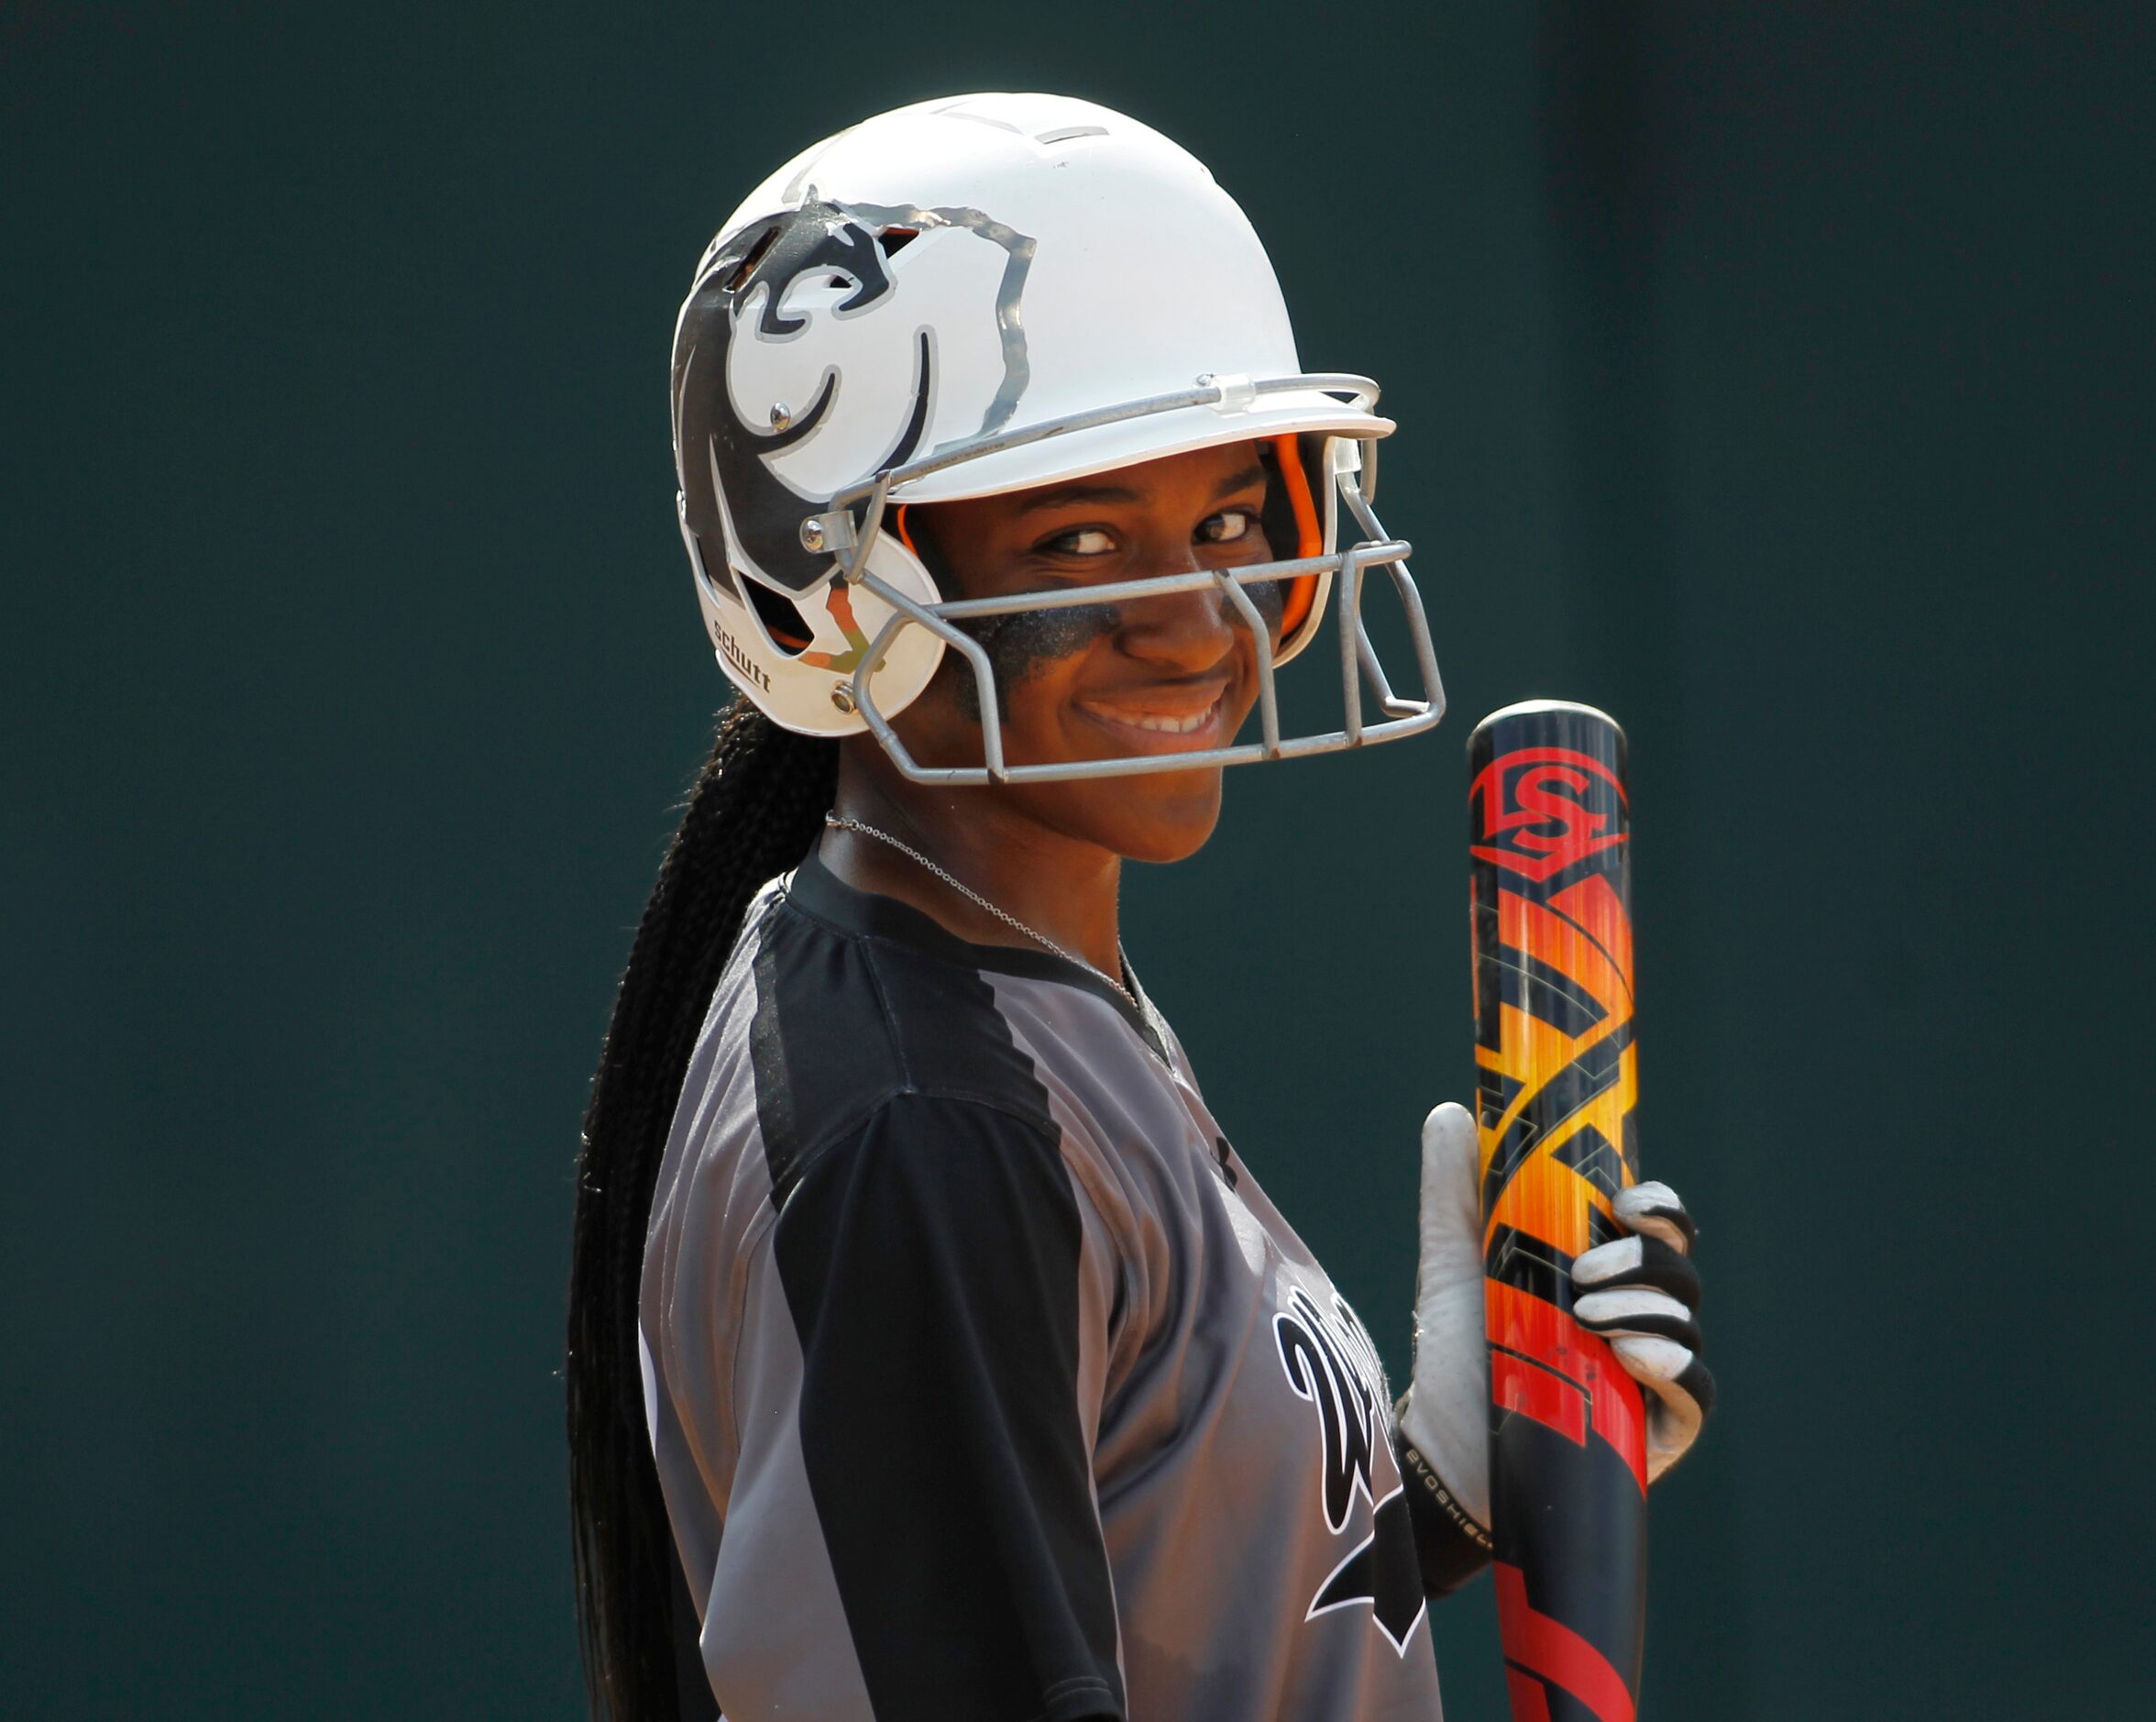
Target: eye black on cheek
point(1018, 645)
point(1271, 597)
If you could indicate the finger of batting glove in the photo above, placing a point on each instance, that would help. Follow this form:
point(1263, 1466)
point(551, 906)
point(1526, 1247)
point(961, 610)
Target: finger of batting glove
point(1636, 1312)
point(1446, 1415)
point(1450, 1213)
point(1683, 1394)
point(1652, 1210)
point(1638, 1260)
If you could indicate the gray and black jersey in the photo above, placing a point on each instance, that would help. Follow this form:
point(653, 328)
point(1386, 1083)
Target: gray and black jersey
point(984, 1380)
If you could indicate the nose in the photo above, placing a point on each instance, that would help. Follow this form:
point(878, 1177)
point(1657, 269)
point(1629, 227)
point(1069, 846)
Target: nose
point(1183, 632)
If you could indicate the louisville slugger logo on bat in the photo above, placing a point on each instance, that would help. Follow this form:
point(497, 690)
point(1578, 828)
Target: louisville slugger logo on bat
point(1540, 809)
point(1556, 1083)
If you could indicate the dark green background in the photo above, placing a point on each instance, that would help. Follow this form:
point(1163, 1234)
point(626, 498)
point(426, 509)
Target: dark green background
point(1778, 376)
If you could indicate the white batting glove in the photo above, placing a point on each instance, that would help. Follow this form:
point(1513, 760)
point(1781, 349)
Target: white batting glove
point(1642, 1294)
point(1445, 1415)
point(1639, 1292)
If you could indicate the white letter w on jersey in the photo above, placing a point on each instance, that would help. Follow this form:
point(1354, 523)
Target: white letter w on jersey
point(1331, 1362)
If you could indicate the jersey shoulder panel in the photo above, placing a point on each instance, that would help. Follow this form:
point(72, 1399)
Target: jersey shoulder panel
point(843, 1017)
point(878, 1296)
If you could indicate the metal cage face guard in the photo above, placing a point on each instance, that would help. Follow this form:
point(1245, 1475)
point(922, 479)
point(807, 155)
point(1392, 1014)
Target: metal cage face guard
point(850, 528)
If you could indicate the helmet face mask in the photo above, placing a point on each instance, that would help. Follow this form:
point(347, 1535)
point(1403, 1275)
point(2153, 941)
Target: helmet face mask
point(982, 295)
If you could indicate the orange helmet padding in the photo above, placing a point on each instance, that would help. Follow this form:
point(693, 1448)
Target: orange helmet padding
point(1309, 533)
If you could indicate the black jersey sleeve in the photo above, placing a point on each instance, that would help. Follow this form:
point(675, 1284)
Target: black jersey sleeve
point(951, 1310)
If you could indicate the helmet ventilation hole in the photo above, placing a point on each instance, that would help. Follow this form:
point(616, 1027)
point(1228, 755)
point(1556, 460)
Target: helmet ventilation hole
point(781, 618)
point(753, 255)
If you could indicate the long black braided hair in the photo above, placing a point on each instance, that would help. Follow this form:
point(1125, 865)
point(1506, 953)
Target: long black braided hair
point(758, 805)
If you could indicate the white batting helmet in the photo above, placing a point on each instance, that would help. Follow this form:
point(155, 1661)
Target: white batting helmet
point(981, 295)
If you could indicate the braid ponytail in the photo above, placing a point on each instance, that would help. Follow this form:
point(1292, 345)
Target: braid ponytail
point(758, 807)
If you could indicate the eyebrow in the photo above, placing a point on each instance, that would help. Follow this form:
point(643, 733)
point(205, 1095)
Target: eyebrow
point(1070, 495)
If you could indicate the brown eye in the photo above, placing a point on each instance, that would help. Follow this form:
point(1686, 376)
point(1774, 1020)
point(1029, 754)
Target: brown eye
point(1082, 541)
point(1228, 527)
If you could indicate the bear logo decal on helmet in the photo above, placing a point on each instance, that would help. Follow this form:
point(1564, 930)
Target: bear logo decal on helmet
point(783, 423)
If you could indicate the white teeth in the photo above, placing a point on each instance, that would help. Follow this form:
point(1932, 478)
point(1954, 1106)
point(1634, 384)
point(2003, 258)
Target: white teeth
point(1168, 725)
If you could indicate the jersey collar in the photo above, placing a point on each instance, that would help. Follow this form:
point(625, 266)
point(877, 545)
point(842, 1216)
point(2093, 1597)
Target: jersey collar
point(815, 888)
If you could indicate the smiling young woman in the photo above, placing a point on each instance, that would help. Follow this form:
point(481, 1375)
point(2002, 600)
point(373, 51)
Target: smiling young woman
point(1158, 676)
point(931, 1351)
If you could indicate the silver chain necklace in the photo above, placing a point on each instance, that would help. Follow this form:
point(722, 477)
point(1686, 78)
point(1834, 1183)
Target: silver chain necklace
point(838, 822)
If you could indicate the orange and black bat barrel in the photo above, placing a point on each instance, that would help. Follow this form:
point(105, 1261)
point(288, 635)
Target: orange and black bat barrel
point(1551, 847)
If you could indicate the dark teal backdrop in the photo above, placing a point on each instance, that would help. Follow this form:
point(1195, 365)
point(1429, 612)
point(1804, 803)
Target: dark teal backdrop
point(1777, 375)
